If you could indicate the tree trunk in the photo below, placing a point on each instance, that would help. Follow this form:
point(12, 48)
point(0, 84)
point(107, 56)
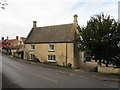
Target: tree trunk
point(95, 60)
point(100, 63)
point(107, 64)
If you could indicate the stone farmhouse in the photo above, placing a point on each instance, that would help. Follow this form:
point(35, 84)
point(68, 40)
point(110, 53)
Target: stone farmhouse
point(54, 44)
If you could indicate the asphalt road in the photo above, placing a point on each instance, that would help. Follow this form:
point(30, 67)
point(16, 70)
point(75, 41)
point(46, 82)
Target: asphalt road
point(17, 74)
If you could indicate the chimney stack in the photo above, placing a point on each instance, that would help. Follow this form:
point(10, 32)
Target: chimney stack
point(7, 37)
point(34, 24)
point(17, 37)
point(75, 19)
point(2, 38)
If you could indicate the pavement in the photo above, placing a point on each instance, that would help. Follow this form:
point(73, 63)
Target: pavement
point(18, 73)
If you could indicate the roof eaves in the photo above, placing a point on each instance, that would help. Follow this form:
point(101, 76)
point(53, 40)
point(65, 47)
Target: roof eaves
point(47, 42)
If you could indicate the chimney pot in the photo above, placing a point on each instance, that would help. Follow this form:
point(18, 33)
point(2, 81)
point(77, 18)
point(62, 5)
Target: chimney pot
point(2, 38)
point(17, 37)
point(75, 15)
point(75, 19)
point(7, 37)
point(34, 24)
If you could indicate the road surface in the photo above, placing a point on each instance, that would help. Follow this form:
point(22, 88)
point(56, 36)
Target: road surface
point(17, 74)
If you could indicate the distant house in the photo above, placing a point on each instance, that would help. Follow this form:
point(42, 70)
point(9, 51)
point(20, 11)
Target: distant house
point(2, 39)
point(19, 48)
point(54, 44)
point(21, 41)
point(0, 45)
point(8, 45)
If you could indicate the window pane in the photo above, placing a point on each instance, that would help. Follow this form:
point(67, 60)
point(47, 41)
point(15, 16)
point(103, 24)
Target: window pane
point(54, 57)
point(32, 56)
point(51, 47)
point(48, 57)
point(51, 57)
point(32, 46)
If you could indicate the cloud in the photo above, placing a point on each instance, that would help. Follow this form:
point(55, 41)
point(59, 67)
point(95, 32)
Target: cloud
point(86, 9)
point(17, 18)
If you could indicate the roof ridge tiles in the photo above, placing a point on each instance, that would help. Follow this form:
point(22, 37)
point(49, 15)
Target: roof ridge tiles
point(54, 25)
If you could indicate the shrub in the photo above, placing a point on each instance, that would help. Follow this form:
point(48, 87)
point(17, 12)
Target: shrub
point(96, 69)
point(35, 59)
point(69, 65)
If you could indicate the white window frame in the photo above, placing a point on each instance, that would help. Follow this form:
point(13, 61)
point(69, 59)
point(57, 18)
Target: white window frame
point(49, 49)
point(31, 47)
point(51, 60)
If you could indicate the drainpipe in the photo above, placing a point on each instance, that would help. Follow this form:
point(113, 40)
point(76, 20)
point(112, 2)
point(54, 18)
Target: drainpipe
point(66, 54)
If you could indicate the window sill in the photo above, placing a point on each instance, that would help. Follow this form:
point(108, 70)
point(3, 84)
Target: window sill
point(51, 61)
point(51, 50)
point(32, 49)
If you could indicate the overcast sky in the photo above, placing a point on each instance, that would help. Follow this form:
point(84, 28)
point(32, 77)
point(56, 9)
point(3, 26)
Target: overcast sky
point(18, 16)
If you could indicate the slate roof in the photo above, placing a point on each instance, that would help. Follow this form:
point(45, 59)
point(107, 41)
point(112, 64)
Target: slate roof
point(51, 34)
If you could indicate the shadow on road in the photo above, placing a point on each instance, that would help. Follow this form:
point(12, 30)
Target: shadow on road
point(7, 83)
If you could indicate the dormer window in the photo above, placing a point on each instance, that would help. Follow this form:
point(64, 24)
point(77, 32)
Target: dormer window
point(51, 47)
point(32, 47)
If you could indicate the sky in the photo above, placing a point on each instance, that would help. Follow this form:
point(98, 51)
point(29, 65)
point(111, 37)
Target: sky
point(18, 16)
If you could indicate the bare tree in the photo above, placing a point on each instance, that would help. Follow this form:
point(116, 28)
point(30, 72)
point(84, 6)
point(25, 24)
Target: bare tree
point(3, 4)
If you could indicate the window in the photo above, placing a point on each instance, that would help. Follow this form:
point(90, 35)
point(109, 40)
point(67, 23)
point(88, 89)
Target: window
point(51, 58)
point(32, 47)
point(51, 47)
point(32, 56)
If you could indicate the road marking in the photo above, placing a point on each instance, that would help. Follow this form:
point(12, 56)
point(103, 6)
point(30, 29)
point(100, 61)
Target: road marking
point(61, 71)
point(16, 66)
point(72, 74)
point(55, 81)
point(83, 77)
point(32, 63)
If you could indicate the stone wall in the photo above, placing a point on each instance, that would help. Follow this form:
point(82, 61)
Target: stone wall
point(110, 70)
point(63, 52)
